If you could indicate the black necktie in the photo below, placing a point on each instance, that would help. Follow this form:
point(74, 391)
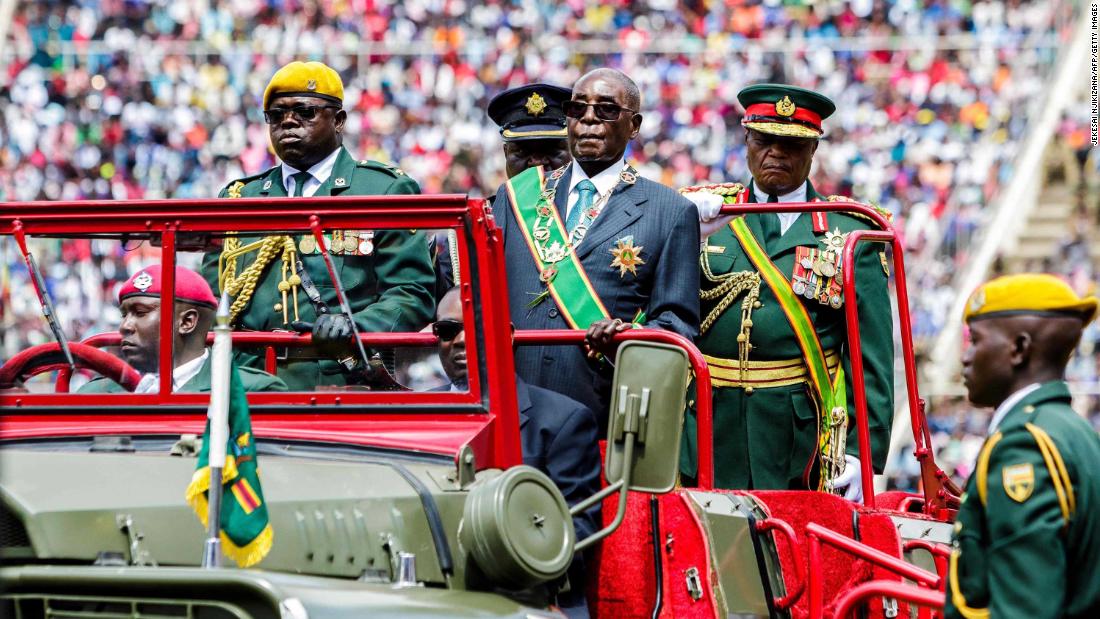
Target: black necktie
point(769, 224)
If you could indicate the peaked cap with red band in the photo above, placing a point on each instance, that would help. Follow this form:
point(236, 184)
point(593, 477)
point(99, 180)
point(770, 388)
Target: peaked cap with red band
point(190, 286)
point(788, 111)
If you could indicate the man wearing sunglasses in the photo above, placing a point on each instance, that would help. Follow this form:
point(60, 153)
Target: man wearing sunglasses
point(593, 246)
point(557, 434)
point(386, 275)
point(777, 346)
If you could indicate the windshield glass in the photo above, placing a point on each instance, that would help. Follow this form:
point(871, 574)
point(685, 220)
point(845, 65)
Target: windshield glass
point(127, 320)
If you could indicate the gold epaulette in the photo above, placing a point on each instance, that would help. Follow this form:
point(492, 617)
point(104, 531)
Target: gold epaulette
point(728, 191)
point(886, 214)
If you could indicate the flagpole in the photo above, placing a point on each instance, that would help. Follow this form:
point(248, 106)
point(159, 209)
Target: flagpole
point(219, 429)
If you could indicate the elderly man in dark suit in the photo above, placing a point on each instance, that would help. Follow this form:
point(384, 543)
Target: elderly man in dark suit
point(557, 434)
point(594, 246)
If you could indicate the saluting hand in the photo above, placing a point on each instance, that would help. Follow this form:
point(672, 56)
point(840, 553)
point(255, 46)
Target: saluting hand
point(599, 337)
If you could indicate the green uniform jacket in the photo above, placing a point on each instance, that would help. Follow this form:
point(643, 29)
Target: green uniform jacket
point(1027, 535)
point(766, 439)
point(390, 289)
point(251, 378)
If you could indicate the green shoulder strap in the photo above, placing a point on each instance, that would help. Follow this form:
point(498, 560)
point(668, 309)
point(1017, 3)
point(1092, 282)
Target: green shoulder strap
point(830, 391)
point(559, 268)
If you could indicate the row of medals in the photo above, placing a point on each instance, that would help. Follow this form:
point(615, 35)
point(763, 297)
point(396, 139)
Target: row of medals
point(824, 266)
point(348, 242)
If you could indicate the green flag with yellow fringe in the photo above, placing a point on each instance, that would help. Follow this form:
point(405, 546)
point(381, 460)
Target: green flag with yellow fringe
point(246, 533)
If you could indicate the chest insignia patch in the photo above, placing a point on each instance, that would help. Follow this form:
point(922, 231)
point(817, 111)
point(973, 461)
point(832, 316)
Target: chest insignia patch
point(626, 256)
point(1019, 481)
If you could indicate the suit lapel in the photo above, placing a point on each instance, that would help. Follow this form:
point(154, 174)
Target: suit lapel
point(801, 232)
point(561, 194)
point(273, 183)
point(340, 178)
point(623, 208)
point(753, 219)
point(523, 401)
point(199, 383)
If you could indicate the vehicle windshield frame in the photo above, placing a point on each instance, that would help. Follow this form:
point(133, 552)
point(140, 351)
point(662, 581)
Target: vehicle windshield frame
point(486, 327)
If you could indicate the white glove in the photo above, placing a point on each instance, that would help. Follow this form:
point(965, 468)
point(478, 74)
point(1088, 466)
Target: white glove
point(851, 479)
point(708, 204)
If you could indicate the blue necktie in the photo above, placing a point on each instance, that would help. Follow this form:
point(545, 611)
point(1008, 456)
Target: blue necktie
point(299, 183)
point(585, 192)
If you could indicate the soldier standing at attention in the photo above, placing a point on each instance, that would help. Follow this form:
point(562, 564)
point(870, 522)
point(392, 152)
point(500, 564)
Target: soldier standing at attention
point(1027, 535)
point(773, 326)
point(386, 274)
point(532, 127)
point(591, 245)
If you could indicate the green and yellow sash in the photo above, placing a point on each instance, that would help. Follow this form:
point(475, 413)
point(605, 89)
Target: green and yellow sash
point(559, 268)
point(829, 391)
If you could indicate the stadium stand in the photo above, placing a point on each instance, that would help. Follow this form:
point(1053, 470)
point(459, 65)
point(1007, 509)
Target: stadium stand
point(153, 99)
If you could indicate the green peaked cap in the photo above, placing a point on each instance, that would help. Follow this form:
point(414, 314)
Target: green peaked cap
point(780, 109)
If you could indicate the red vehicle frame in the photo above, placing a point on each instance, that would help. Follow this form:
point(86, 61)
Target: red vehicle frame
point(492, 432)
point(405, 420)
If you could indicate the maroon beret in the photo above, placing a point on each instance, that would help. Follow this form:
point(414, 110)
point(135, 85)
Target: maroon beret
point(190, 286)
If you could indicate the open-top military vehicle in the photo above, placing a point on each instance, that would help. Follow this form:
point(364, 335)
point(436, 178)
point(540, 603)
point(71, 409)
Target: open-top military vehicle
point(387, 501)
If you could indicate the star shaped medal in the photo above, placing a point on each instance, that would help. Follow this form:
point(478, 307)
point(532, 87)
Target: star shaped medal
point(627, 257)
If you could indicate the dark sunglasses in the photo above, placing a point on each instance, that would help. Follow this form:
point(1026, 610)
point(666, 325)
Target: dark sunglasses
point(604, 111)
point(276, 115)
point(447, 330)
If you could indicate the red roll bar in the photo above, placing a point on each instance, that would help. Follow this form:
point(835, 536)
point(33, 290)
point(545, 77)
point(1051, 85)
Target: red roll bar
point(888, 588)
point(703, 412)
point(941, 494)
point(818, 534)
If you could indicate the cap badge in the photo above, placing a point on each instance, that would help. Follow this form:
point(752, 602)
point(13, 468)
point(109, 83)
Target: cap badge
point(784, 107)
point(977, 301)
point(311, 85)
point(143, 282)
point(536, 105)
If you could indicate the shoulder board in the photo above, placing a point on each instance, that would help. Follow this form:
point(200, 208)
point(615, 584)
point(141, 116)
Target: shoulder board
point(728, 191)
point(886, 214)
point(381, 167)
point(233, 189)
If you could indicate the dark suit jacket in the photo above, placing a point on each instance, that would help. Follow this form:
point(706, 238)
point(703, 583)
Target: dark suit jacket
point(558, 437)
point(665, 226)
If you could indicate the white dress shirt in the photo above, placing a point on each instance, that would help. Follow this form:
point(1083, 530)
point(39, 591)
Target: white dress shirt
point(150, 383)
point(786, 220)
point(318, 174)
point(604, 181)
point(1010, 401)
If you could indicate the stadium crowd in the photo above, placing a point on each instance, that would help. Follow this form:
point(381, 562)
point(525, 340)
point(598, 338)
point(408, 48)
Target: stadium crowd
point(155, 99)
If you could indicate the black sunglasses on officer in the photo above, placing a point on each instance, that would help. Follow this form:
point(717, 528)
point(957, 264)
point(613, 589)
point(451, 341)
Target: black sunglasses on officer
point(276, 115)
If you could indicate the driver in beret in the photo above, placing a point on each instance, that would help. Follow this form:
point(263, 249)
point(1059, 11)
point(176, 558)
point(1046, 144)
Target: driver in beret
point(195, 305)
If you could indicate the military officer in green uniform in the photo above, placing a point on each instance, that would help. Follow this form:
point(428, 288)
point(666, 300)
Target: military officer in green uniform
point(532, 130)
point(139, 302)
point(532, 126)
point(1027, 534)
point(783, 406)
point(280, 282)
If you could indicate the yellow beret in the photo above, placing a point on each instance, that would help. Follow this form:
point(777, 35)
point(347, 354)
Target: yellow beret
point(1028, 293)
point(305, 79)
